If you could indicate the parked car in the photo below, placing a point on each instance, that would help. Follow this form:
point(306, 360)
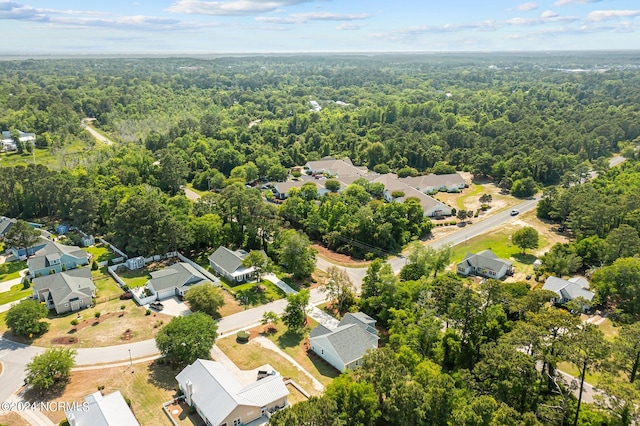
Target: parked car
point(157, 306)
point(515, 212)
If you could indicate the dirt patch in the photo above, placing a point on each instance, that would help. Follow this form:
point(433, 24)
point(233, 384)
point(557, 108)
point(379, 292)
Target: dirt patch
point(94, 321)
point(338, 258)
point(64, 340)
point(127, 335)
point(13, 419)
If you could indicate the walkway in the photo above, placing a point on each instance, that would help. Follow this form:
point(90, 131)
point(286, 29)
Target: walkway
point(323, 318)
point(281, 284)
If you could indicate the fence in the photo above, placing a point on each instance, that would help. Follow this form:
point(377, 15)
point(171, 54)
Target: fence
point(114, 248)
point(106, 299)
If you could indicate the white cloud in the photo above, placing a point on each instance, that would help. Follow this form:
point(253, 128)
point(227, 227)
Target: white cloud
point(527, 6)
point(348, 27)
point(300, 18)
point(230, 8)
point(567, 2)
point(548, 14)
point(605, 15)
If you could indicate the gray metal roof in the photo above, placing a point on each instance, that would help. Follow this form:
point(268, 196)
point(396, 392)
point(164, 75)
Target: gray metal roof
point(64, 285)
point(217, 393)
point(568, 290)
point(5, 225)
point(107, 410)
point(178, 275)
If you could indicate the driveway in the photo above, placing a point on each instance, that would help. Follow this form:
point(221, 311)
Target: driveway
point(174, 307)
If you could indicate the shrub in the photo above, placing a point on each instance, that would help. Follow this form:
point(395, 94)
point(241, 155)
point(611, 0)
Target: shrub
point(122, 307)
point(192, 409)
point(97, 315)
point(110, 262)
point(147, 312)
point(160, 361)
point(242, 336)
point(94, 266)
point(74, 322)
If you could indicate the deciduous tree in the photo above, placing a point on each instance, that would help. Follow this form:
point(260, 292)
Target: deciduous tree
point(185, 339)
point(205, 298)
point(24, 318)
point(22, 235)
point(50, 368)
point(295, 314)
point(526, 238)
point(339, 286)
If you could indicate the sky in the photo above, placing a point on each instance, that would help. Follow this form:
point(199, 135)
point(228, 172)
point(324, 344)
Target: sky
point(35, 27)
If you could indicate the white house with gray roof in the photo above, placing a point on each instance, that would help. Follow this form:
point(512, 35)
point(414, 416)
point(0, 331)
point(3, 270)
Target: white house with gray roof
point(430, 205)
point(228, 263)
point(221, 400)
point(175, 280)
point(66, 291)
point(344, 346)
point(484, 264)
point(568, 289)
point(450, 182)
point(102, 410)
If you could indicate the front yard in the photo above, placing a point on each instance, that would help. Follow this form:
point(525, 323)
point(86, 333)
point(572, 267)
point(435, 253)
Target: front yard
point(11, 270)
point(110, 329)
point(254, 294)
point(148, 385)
point(16, 292)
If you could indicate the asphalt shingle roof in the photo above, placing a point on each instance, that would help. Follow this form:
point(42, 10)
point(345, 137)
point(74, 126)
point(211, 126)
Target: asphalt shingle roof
point(228, 260)
point(175, 276)
point(63, 285)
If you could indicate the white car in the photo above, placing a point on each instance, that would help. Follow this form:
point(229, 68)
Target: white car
point(514, 212)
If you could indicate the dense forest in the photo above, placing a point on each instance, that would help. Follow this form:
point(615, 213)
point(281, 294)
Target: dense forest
point(456, 353)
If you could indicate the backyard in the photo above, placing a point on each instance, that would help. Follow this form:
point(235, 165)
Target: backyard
point(106, 287)
point(100, 253)
point(148, 385)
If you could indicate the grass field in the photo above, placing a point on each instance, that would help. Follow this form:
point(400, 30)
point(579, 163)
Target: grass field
point(475, 191)
point(45, 156)
point(17, 292)
point(11, 270)
point(147, 385)
point(100, 253)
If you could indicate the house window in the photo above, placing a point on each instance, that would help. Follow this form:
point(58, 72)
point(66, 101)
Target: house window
point(237, 422)
point(66, 305)
point(321, 351)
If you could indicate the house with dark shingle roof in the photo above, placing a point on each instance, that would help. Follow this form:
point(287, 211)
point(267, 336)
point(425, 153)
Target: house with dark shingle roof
point(66, 291)
point(5, 225)
point(228, 263)
point(485, 264)
point(344, 346)
point(174, 280)
point(220, 399)
point(51, 256)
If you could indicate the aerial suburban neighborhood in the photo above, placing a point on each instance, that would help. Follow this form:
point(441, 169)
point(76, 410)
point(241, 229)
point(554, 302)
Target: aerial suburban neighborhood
point(330, 240)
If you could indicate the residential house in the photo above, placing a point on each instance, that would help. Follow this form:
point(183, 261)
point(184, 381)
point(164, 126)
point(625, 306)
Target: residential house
point(221, 400)
point(568, 289)
point(51, 256)
point(5, 225)
point(485, 264)
point(281, 189)
point(431, 183)
point(335, 168)
point(174, 280)
point(430, 205)
point(66, 291)
point(344, 346)
point(102, 410)
point(7, 143)
point(228, 264)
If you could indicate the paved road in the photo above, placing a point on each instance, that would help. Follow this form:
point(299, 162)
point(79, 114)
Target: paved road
point(193, 196)
point(87, 126)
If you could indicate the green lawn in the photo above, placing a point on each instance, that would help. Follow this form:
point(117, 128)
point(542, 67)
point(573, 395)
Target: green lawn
point(17, 292)
point(136, 278)
point(475, 190)
point(105, 284)
point(100, 252)
point(291, 343)
point(45, 156)
point(247, 295)
point(11, 270)
point(499, 241)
